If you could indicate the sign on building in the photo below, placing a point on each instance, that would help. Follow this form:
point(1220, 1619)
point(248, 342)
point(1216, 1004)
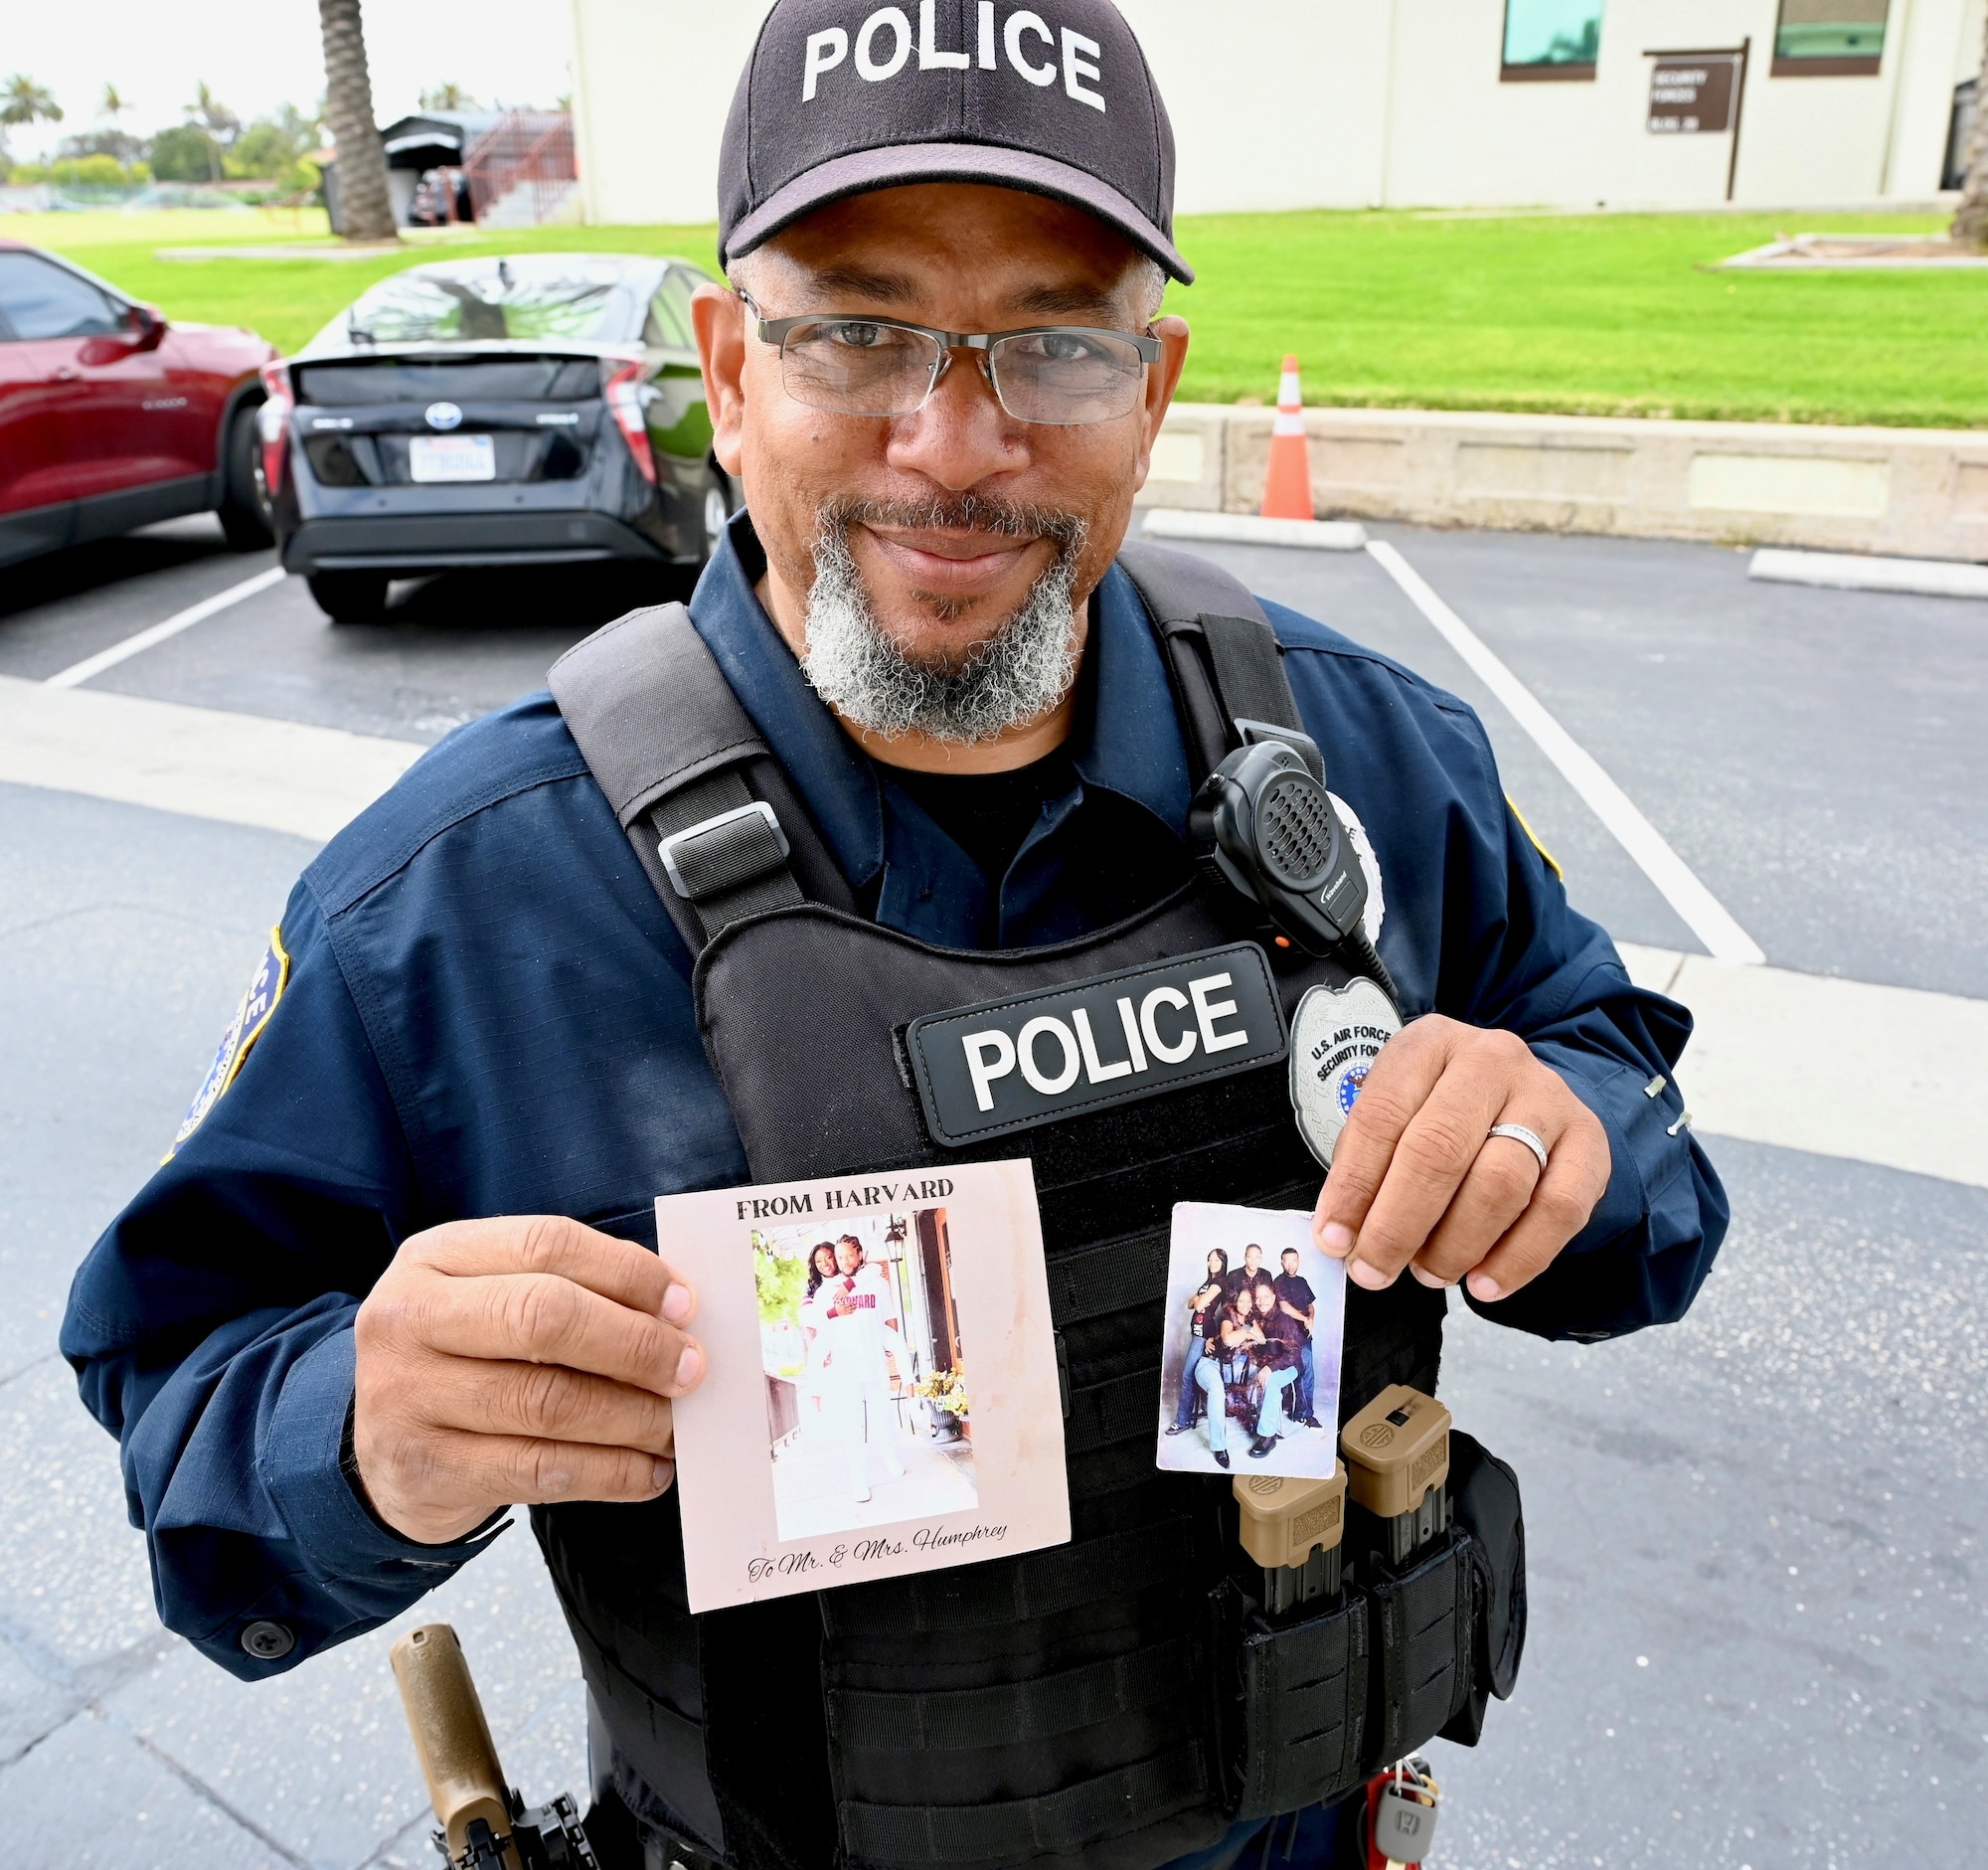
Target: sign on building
point(1691, 93)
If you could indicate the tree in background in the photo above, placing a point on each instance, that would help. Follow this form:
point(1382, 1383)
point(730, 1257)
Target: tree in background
point(365, 207)
point(273, 149)
point(184, 153)
point(106, 138)
point(22, 103)
point(207, 112)
point(120, 145)
point(1970, 221)
point(94, 171)
point(450, 97)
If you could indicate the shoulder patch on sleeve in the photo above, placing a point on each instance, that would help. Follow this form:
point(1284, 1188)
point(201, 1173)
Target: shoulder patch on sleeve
point(273, 976)
point(1532, 838)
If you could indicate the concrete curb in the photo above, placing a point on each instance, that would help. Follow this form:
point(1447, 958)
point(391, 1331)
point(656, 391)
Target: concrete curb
point(1248, 529)
point(1846, 571)
point(1919, 493)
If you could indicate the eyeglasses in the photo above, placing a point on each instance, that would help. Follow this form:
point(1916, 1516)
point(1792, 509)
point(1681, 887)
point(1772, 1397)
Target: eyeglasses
point(1055, 373)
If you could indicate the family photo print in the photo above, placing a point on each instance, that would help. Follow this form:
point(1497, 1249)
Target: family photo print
point(1249, 1377)
point(883, 1392)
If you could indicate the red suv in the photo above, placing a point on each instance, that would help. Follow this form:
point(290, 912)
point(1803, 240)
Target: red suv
point(111, 419)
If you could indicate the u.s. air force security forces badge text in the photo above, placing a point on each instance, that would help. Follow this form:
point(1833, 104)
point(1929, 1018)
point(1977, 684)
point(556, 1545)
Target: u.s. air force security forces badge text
point(1007, 1065)
point(1336, 1035)
point(272, 975)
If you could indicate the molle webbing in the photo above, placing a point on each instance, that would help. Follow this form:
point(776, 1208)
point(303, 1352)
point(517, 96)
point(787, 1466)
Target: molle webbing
point(1012, 1831)
point(944, 1720)
point(1093, 1282)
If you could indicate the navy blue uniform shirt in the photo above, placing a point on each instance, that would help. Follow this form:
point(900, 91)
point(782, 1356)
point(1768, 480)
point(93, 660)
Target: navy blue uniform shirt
point(487, 1011)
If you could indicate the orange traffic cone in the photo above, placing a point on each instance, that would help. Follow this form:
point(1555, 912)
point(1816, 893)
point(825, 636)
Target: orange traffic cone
point(1287, 490)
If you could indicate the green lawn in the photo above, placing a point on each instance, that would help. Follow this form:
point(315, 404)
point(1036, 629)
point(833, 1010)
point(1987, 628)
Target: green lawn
point(1597, 315)
point(288, 299)
point(1592, 314)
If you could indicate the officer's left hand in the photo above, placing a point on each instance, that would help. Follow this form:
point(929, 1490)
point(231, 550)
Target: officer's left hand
point(1418, 1181)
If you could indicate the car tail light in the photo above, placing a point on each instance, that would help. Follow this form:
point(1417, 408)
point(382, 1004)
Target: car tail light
point(272, 424)
point(623, 391)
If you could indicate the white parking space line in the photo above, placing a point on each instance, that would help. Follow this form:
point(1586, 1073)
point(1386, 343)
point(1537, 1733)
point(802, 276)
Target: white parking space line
point(1838, 1068)
point(282, 776)
point(1703, 913)
point(79, 672)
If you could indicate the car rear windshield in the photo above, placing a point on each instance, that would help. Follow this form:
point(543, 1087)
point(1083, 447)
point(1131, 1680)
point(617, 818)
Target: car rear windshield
point(362, 382)
point(535, 296)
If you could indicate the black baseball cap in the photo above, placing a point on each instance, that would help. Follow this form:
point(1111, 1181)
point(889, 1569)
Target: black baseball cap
point(841, 96)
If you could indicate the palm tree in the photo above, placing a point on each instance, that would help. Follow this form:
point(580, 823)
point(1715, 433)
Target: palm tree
point(364, 204)
point(209, 113)
point(1970, 221)
point(113, 106)
point(23, 101)
point(447, 96)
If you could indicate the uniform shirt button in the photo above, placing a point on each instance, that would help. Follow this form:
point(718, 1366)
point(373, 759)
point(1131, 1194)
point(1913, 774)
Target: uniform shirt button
point(268, 1641)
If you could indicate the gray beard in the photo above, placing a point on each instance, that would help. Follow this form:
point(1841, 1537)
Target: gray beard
point(1012, 678)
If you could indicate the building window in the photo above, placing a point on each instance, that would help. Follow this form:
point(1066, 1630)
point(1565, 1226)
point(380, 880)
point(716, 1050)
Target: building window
point(1830, 38)
point(1551, 39)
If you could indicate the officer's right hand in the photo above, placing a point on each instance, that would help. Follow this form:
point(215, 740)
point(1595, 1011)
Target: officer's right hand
point(513, 1361)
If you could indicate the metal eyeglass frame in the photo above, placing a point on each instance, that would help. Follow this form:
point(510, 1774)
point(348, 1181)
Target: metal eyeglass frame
point(774, 331)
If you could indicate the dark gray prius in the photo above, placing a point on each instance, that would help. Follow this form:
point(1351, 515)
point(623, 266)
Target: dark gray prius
point(543, 409)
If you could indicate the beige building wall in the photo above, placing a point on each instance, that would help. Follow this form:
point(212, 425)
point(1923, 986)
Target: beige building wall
point(1285, 105)
point(652, 81)
point(1355, 103)
point(1943, 45)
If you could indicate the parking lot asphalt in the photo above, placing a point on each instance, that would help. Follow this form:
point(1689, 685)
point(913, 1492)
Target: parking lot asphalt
point(454, 648)
point(1816, 756)
point(1754, 1538)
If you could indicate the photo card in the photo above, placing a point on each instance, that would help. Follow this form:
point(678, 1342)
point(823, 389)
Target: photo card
point(881, 1393)
point(1256, 1318)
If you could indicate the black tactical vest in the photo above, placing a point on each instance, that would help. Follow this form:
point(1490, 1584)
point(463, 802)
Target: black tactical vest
point(1069, 1709)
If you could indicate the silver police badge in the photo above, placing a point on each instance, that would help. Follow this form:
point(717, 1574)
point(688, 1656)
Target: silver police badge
point(1336, 1035)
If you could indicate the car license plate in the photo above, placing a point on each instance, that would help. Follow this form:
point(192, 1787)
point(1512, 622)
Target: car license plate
point(452, 457)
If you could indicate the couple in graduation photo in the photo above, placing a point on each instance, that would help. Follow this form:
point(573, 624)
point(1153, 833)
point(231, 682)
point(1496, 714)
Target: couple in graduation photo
point(1248, 1338)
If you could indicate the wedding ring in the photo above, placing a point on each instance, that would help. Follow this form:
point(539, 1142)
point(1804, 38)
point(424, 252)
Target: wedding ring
point(1519, 1133)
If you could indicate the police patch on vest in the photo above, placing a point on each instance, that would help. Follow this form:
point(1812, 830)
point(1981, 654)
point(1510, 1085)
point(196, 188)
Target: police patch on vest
point(272, 976)
point(1336, 1035)
point(1007, 1065)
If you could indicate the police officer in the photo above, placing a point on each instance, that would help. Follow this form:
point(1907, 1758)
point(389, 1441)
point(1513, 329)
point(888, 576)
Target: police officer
point(397, 1274)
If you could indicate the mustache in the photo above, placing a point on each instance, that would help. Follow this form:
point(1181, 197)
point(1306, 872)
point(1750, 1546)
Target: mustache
point(965, 512)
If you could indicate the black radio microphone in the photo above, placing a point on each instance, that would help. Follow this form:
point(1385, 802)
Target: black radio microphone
point(1265, 822)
